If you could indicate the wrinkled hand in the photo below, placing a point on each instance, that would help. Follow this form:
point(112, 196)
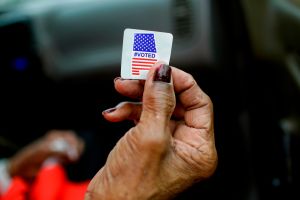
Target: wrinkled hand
point(170, 148)
point(59, 144)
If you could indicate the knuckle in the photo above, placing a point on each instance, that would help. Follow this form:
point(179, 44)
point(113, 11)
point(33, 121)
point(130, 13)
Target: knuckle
point(210, 105)
point(161, 102)
point(148, 139)
point(189, 80)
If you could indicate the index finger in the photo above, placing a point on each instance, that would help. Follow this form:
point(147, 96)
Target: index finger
point(197, 105)
point(130, 88)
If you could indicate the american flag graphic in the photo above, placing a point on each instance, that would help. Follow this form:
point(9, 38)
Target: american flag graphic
point(144, 52)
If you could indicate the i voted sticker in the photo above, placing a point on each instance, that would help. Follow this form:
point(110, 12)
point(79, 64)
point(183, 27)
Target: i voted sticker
point(142, 49)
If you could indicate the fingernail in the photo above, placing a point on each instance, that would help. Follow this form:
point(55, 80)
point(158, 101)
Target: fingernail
point(118, 78)
point(163, 73)
point(110, 110)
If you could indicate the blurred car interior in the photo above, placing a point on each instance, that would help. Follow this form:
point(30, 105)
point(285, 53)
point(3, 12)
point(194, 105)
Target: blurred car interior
point(58, 60)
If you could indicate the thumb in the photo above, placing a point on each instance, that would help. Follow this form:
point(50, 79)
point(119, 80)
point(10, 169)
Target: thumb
point(158, 98)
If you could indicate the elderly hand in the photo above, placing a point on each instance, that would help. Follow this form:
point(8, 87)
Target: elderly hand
point(59, 144)
point(172, 145)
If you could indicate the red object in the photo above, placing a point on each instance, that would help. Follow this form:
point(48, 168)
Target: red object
point(17, 191)
point(50, 184)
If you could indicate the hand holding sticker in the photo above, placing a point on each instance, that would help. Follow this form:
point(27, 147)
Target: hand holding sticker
point(142, 49)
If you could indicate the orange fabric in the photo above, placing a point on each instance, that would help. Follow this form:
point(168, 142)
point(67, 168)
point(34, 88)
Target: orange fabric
point(52, 184)
point(17, 191)
point(75, 191)
point(48, 184)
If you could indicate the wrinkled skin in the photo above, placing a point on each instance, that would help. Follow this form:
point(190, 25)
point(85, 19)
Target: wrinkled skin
point(171, 146)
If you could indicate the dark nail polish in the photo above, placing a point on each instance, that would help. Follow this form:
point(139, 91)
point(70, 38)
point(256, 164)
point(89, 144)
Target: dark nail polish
point(163, 73)
point(110, 110)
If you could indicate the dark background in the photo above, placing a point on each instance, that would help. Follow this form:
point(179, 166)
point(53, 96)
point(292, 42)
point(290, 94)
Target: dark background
point(251, 95)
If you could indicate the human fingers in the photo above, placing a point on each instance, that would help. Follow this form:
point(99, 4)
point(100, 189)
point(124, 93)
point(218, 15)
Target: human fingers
point(76, 145)
point(130, 88)
point(194, 137)
point(64, 144)
point(158, 97)
point(124, 111)
point(140, 150)
point(197, 104)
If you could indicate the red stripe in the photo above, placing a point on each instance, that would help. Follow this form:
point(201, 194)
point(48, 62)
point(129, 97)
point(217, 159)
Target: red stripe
point(142, 69)
point(141, 65)
point(144, 59)
point(135, 73)
point(135, 70)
